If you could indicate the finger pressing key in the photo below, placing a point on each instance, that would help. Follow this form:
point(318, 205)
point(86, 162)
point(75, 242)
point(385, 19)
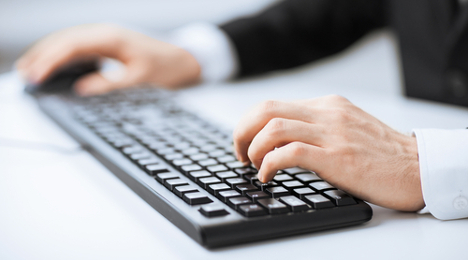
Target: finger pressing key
point(254, 121)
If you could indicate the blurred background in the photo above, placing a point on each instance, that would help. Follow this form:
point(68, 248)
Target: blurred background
point(22, 22)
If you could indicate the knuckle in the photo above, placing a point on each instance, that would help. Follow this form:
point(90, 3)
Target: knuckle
point(337, 98)
point(275, 127)
point(109, 33)
point(268, 106)
point(251, 153)
point(66, 48)
point(108, 28)
point(297, 149)
point(268, 162)
point(254, 155)
point(340, 115)
point(345, 154)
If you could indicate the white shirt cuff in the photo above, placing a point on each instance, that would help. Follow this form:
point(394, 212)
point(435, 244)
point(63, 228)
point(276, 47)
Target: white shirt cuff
point(211, 47)
point(443, 163)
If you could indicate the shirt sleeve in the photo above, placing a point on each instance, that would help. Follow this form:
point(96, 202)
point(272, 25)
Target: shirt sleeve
point(295, 32)
point(211, 47)
point(443, 163)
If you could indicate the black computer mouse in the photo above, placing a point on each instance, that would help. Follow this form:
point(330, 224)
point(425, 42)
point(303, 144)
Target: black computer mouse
point(63, 79)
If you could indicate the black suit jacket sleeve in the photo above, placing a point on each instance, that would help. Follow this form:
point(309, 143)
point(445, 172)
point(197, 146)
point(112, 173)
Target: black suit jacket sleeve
point(295, 32)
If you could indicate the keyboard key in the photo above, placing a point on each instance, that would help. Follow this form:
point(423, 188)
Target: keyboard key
point(318, 201)
point(158, 146)
point(277, 191)
point(225, 175)
point(290, 185)
point(255, 195)
point(208, 147)
point(238, 201)
point(282, 177)
point(132, 149)
point(246, 170)
point(234, 165)
point(217, 153)
point(191, 168)
point(180, 190)
point(244, 188)
point(139, 156)
point(122, 143)
point(227, 194)
point(196, 198)
point(204, 182)
point(226, 158)
point(320, 185)
point(174, 140)
point(294, 204)
point(308, 177)
point(173, 156)
point(213, 210)
point(144, 162)
point(217, 168)
point(235, 181)
point(229, 147)
point(340, 198)
point(191, 151)
point(273, 206)
point(262, 186)
point(182, 162)
point(208, 162)
point(295, 170)
point(161, 177)
point(302, 192)
point(198, 174)
point(251, 178)
point(182, 146)
point(197, 140)
point(164, 151)
point(252, 210)
point(199, 156)
point(215, 188)
point(154, 169)
point(172, 183)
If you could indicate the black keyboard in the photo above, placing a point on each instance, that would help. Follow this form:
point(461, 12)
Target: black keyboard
point(184, 167)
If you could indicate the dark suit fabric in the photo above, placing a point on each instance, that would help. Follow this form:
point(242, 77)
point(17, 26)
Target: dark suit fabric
point(433, 37)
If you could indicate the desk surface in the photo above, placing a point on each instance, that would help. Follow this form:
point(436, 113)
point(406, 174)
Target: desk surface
point(58, 202)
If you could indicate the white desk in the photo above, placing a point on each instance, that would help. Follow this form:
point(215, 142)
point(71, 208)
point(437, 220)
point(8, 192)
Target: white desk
point(66, 205)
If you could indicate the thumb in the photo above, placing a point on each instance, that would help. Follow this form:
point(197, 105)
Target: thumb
point(96, 84)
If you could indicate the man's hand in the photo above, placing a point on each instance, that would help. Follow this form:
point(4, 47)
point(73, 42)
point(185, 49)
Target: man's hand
point(147, 60)
point(344, 145)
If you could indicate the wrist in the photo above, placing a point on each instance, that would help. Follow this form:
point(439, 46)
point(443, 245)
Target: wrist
point(411, 176)
point(189, 67)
